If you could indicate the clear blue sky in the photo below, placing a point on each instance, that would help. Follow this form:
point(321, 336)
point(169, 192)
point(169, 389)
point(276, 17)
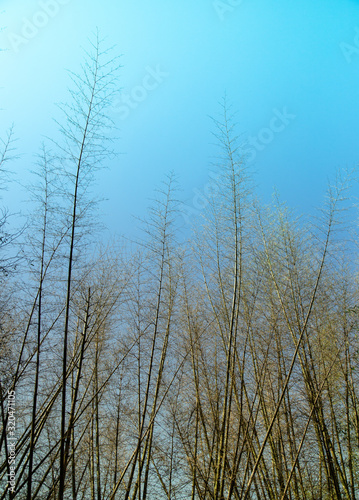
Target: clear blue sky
point(289, 68)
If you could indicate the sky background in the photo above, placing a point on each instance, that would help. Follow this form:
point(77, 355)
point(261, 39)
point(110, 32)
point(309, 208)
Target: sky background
point(289, 69)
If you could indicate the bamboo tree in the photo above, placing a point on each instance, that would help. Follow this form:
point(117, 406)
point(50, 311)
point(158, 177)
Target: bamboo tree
point(46, 208)
point(85, 135)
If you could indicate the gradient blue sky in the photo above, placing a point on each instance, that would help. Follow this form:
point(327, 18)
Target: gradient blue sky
point(300, 58)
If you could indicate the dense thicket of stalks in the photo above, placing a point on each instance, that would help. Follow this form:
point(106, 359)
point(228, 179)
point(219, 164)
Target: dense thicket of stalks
point(222, 367)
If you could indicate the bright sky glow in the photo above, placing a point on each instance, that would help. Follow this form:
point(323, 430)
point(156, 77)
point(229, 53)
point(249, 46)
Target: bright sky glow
point(299, 60)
